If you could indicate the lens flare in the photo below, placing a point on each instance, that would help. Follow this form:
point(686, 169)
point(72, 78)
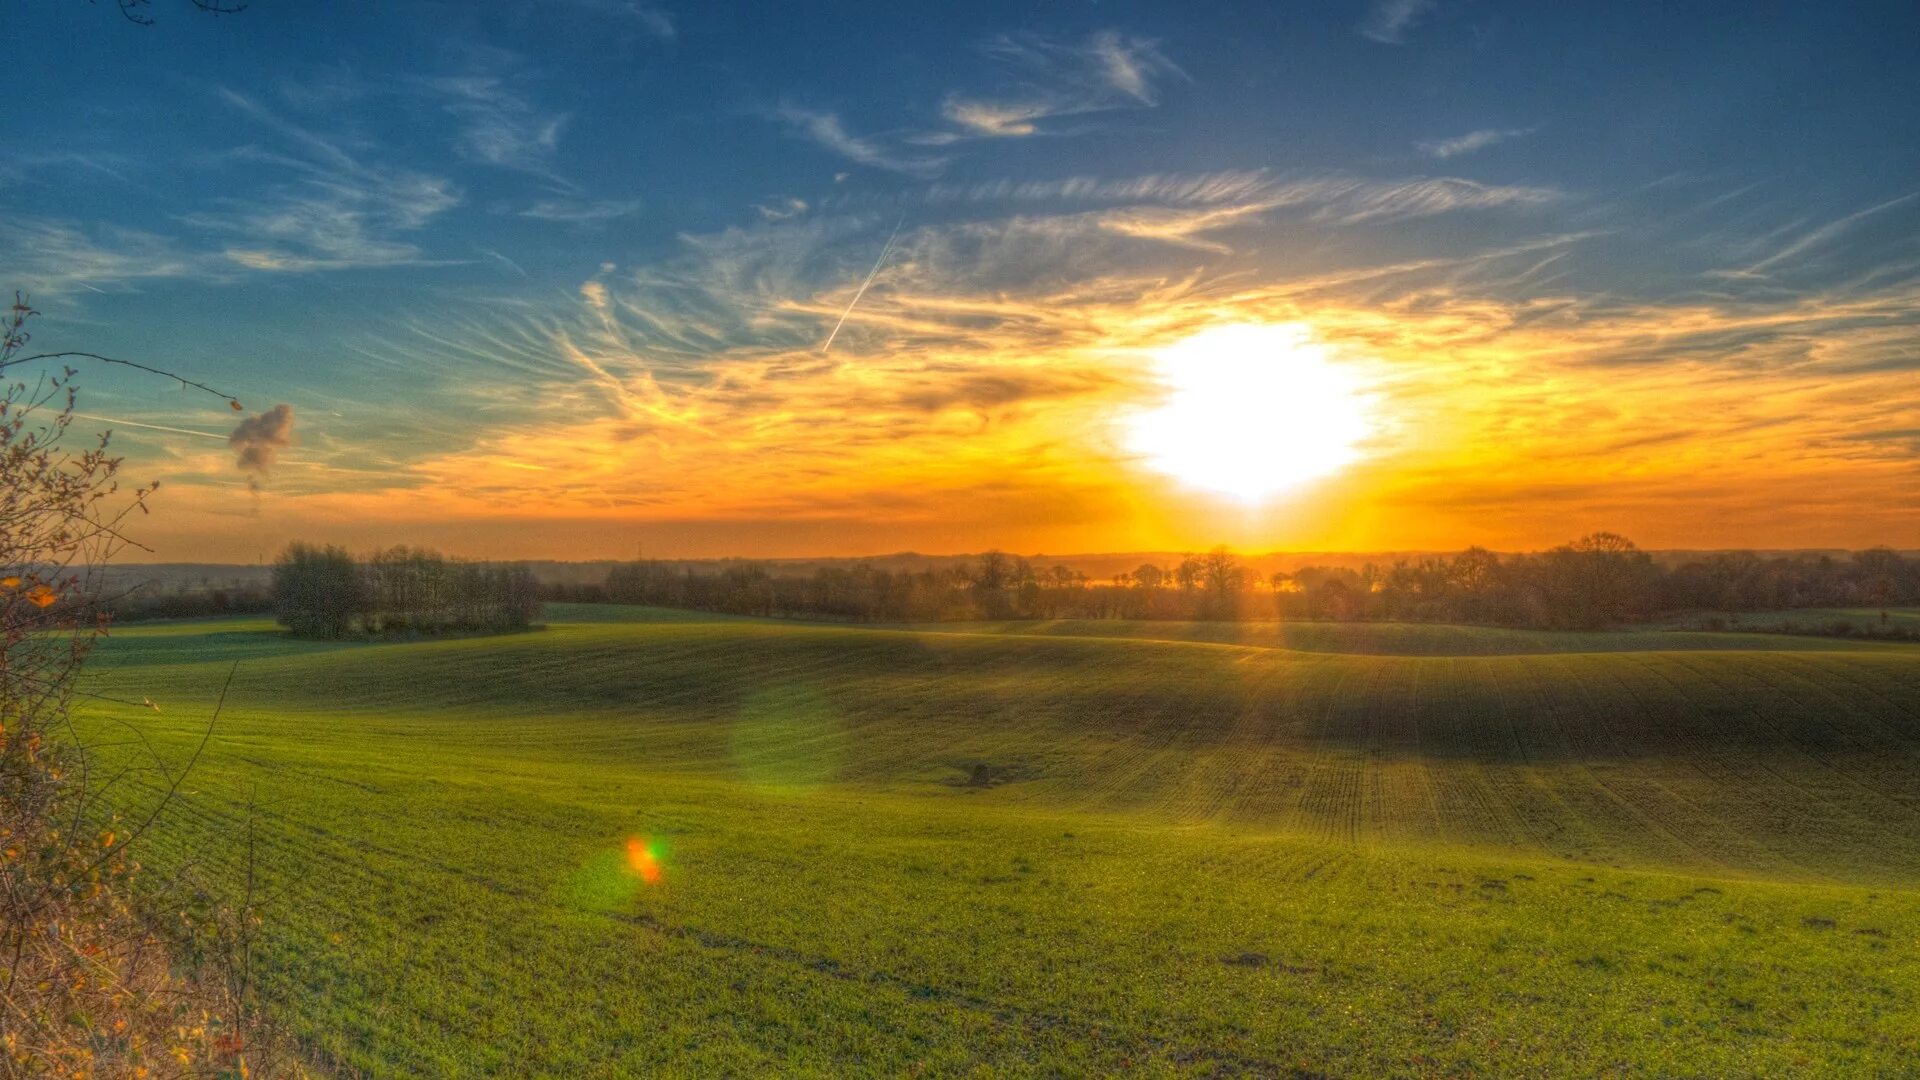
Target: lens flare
point(644, 859)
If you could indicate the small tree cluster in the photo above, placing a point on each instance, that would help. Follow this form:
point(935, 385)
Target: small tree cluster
point(324, 592)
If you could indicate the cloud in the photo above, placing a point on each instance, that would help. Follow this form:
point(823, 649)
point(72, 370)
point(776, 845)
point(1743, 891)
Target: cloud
point(656, 20)
point(1130, 65)
point(258, 442)
point(825, 129)
point(781, 209)
point(1471, 141)
point(1897, 443)
point(1815, 238)
point(1175, 188)
point(1330, 199)
point(1108, 70)
point(500, 125)
point(1388, 21)
point(338, 212)
point(1361, 202)
point(54, 257)
point(20, 167)
point(1179, 225)
point(939, 389)
point(505, 263)
point(268, 259)
point(326, 88)
point(1105, 65)
point(994, 119)
point(581, 211)
point(332, 209)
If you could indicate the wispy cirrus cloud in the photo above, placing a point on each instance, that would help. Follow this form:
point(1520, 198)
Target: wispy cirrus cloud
point(1355, 202)
point(1815, 238)
point(992, 119)
point(338, 211)
point(582, 211)
point(23, 166)
point(57, 257)
point(1469, 142)
point(1108, 70)
point(1173, 188)
point(1388, 21)
point(1331, 200)
point(323, 205)
point(827, 130)
point(500, 125)
point(781, 209)
point(1053, 78)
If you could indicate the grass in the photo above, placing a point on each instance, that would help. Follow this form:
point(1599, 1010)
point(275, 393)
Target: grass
point(1501, 853)
point(1815, 620)
point(1398, 639)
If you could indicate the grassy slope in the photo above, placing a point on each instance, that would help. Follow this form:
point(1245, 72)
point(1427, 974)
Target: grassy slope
point(1816, 619)
point(1398, 639)
point(1204, 858)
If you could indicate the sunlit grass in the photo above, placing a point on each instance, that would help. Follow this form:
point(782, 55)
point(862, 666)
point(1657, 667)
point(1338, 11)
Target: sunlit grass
point(712, 845)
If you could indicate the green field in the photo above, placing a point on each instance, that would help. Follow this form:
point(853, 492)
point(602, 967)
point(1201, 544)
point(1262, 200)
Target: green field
point(1816, 620)
point(1197, 850)
point(1397, 639)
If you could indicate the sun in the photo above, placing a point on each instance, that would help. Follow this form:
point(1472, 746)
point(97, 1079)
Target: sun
point(1252, 411)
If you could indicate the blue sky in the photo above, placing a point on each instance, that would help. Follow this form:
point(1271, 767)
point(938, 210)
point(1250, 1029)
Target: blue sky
point(568, 266)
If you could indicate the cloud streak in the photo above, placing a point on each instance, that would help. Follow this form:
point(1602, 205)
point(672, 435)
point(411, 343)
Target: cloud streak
point(581, 211)
point(1469, 142)
point(337, 212)
point(500, 126)
point(826, 130)
point(1108, 70)
point(1389, 21)
point(57, 257)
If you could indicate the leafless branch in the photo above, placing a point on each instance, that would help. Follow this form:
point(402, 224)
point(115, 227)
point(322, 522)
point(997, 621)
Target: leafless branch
point(182, 380)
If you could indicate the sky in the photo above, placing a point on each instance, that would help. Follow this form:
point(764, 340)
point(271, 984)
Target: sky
point(580, 278)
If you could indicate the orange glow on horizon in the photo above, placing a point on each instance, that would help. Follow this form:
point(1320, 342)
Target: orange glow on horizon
point(1164, 422)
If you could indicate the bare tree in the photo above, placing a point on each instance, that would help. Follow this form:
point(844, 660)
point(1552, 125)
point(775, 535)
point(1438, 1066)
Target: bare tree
point(135, 11)
point(1222, 580)
point(1187, 573)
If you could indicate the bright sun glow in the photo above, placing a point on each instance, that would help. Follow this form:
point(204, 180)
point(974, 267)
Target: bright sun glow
point(1252, 411)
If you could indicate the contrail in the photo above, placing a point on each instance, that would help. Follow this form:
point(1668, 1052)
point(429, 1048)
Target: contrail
point(862, 290)
point(150, 427)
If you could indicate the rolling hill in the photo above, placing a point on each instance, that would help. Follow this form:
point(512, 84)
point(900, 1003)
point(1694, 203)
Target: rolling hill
point(1189, 849)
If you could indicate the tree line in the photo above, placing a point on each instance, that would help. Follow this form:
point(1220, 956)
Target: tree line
point(1599, 580)
point(324, 592)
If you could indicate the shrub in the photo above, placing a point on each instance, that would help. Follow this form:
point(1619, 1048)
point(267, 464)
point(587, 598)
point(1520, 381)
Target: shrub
point(89, 988)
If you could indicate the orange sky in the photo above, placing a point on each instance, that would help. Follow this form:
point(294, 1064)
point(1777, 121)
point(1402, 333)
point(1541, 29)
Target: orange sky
point(1510, 425)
